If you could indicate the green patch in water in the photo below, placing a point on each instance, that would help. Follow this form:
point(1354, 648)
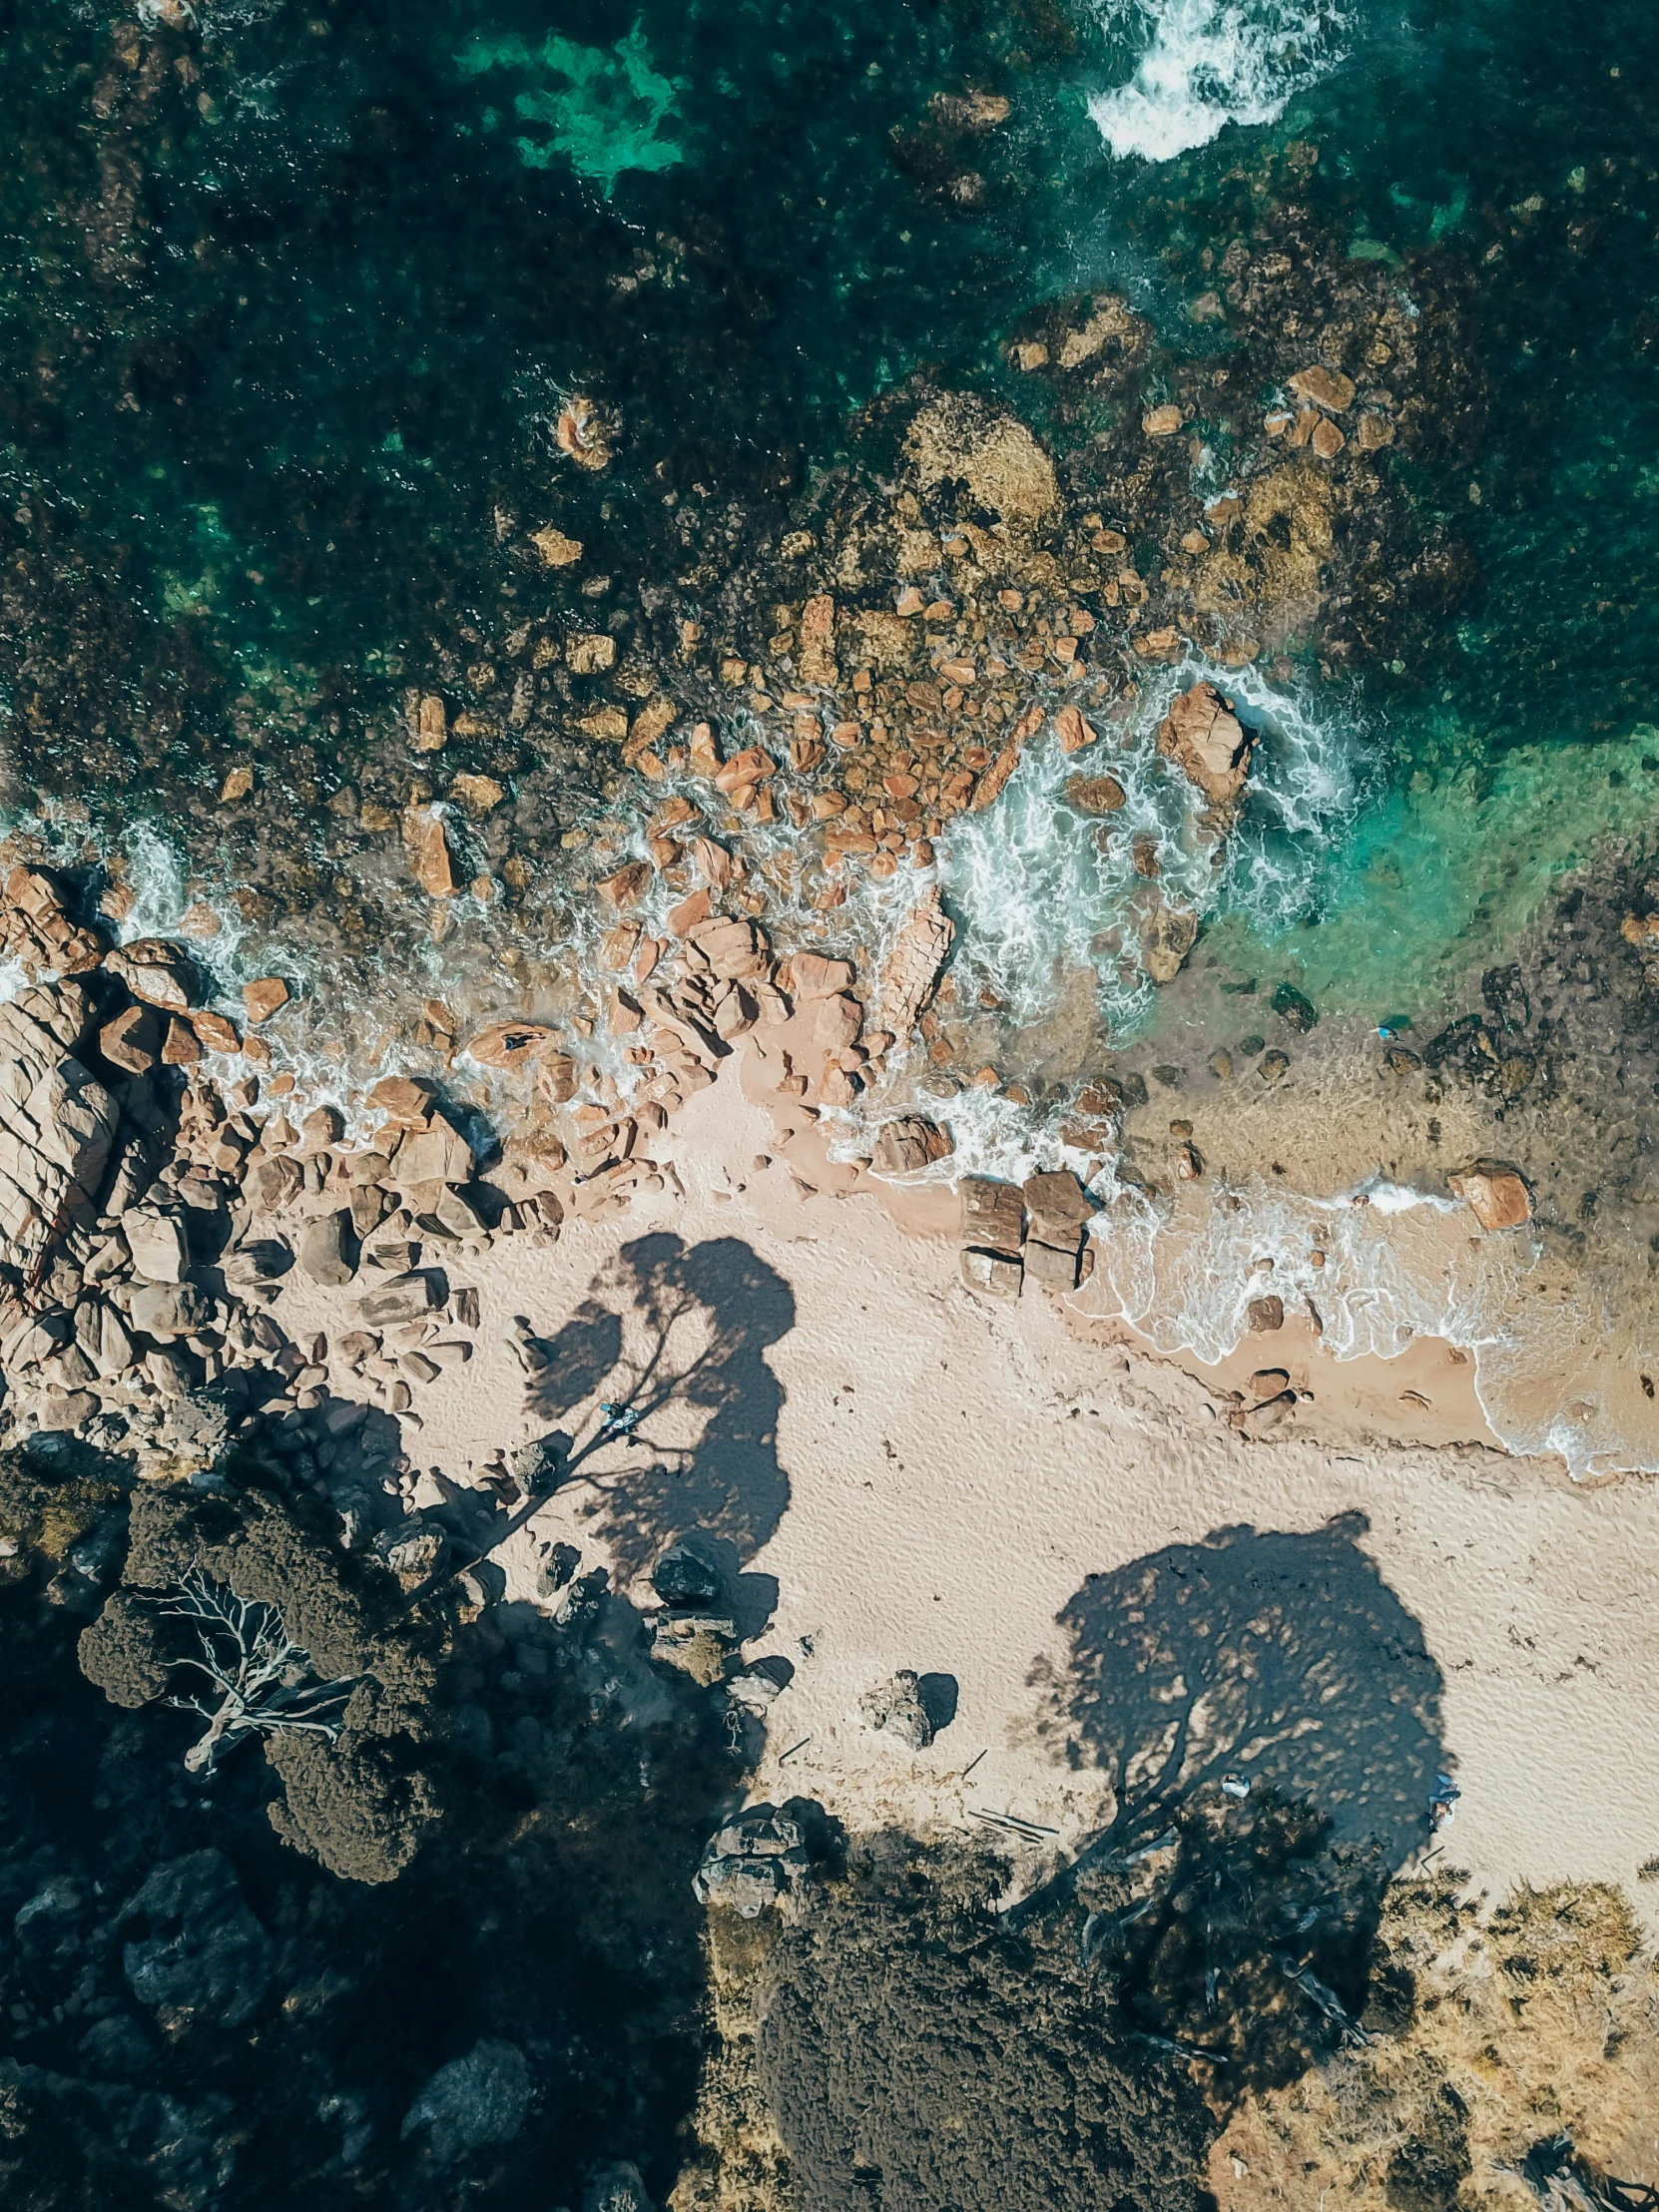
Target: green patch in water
point(605, 108)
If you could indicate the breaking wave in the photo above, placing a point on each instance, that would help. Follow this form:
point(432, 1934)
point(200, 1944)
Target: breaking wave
point(1202, 64)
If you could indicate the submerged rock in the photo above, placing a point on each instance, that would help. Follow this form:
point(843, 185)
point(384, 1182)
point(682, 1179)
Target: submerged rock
point(1168, 934)
point(1495, 1194)
point(481, 2099)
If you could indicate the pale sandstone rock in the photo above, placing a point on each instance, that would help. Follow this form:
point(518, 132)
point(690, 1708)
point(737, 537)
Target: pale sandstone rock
point(906, 1146)
point(1203, 738)
point(156, 972)
point(1168, 934)
point(266, 996)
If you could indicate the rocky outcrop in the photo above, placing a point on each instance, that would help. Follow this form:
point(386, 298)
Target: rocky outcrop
point(1203, 735)
point(58, 1122)
point(912, 967)
point(36, 931)
point(1168, 934)
point(752, 1862)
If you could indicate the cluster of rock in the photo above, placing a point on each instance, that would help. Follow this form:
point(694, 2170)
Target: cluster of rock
point(1033, 1231)
point(151, 1220)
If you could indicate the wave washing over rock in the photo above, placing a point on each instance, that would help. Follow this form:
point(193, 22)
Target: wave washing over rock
point(1205, 64)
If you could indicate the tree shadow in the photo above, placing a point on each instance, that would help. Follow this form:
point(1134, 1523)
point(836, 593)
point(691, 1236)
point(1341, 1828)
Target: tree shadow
point(1272, 1658)
point(678, 1329)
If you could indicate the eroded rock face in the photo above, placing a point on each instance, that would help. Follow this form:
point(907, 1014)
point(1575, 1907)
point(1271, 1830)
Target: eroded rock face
point(913, 965)
point(57, 1121)
point(1205, 739)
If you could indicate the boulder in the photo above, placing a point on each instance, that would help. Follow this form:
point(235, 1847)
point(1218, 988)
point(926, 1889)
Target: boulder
point(1495, 1193)
point(1266, 1315)
point(132, 1041)
point(400, 1298)
point(329, 1248)
point(913, 964)
point(512, 1044)
point(896, 1707)
point(993, 1214)
point(735, 950)
point(1073, 731)
point(817, 978)
point(752, 1860)
point(1053, 1266)
point(906, 1147)
point(992, 1272)
point(1326, 388)
point(1205, 739)
point(1168, 934)
point(197, 1956)
point(158, 1244)
point(156, 972)
point(57, 1122)
point(264, 996)
point(1057, 1203)
point(427, 848)
point(683, 1577)
point(435, 1153)
point(481, 2099)
point(170, 1308)
point(1094, 795)
point(619, 2188)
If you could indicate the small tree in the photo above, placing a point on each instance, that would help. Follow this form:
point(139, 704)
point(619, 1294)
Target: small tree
point(233, 1609)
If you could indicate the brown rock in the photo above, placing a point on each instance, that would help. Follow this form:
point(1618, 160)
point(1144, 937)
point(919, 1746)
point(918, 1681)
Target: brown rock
point(906, 1147)
point(157, 972)
point(914, 961)
point(129, 1041)
point(181, 1048)
point(1161, 422)
point(512, 1044)
point(998, 1273)
point(1203, 738)
point(429, 852)
point(556, 1078)
point(993, 1214)
point(1073, 731)
point(1495, 1194)
point(1168, 934)
point(1268, 1383)
point(990, 784)
point(264, 996)
point(817, 978)
point(36, 931)
point(589, 652)
point(1374, 430)
point(1266, 1315)
point(1327, 440)
point(1326, 388)
point(733, 948)
point(713, 864)
point(1094, 795)
point(556, 550)
point(401, 1101)
point(217, 1031)
point(836, 1023)
point(1057, 1203)
point(816, 660)
point(752, 766)
point(477, 793)
point(684, 918)
point(1053, 1266)
point(235, 786)
point(627, 885)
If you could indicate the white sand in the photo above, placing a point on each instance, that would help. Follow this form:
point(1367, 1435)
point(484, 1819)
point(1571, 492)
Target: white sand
point(947, 1472)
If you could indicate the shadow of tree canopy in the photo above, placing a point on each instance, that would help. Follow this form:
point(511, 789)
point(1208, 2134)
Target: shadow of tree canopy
point(681, 1328)
point(1278, 1657)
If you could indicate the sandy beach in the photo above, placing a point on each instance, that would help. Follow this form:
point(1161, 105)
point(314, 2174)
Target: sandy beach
point(909, 1474)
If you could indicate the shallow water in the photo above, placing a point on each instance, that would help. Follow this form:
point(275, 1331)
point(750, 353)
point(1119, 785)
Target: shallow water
point(293, 301)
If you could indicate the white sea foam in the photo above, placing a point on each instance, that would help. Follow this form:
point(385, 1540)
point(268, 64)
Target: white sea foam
point(1202, 64)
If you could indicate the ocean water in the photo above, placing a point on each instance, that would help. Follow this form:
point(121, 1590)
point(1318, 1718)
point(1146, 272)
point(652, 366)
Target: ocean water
point(292, 301)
